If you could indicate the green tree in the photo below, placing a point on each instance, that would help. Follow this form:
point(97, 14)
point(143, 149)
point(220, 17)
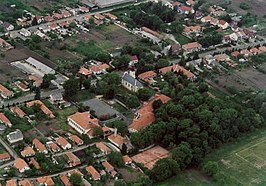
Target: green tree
point(144, 94)
point(76, 179)
point(211, 168)
point(116, 158)
point(71, 87)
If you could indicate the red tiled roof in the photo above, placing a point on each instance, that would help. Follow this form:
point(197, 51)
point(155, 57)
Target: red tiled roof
point(84, 120)
point(38, 145)
point(93, 172)
point(18, 111)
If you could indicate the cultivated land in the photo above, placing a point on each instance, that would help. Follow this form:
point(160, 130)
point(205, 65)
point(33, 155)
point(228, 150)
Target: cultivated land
point(257, 7)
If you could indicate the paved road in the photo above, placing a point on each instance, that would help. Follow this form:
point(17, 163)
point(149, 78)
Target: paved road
point(29, 97)
point(74, 149)
point(9, 149)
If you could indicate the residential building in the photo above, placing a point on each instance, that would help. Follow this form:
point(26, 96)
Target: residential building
point(64, 179)
point(4, 157)
point(25, 183)
point(192, 47)
point(147, 76)
point(117, 140)
point(175, 49)
point(127, 159)
point(179, 69)
point(45, 180)
point(109, 168)
point(93, 172)
point(44, 109)
point(35, 163)
point(39, 146)
point(130, 82)
point(5, 93)
point(5, 120)
point(63, 143)
point(221, 57)
point(5, 45)
point(27, 152)
point(12, 182)
point(53, 146)
point(76, 140)
point(73, 160)
point(15, 136)
point(16, 110)
point(21, 165)
point(104, 149)
point(83, 123)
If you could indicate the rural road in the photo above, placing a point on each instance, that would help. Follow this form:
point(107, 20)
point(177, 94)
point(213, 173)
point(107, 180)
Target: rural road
point(9, 149)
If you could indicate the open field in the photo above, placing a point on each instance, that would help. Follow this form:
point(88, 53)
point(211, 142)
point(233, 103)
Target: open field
point(257, 7)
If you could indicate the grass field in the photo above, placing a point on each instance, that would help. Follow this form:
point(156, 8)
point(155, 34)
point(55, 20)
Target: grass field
point(242, 162)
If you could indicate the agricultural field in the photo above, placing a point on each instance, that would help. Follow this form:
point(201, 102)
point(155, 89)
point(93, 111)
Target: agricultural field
point(256, 7)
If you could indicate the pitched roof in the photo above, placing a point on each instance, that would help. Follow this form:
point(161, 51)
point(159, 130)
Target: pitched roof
point(5, 91)
point(20, 164)
point(35, 163)
point(11, 182)
point(117, 139)
point(191, 45)
point(48, 181)
point(103, 147)
point(62, 141)
point(72, 157)
point(4, 156)
point(94, 173)
point(28, 151)
point(38, 145)
point(45, 110)
point(65, 180)
point(108, 167)
point(4, 119)
point(53, 146)
point(25, 183)
point(128, 78)
point(235, 53)
point(84, 120)
point(146, 75)
point(126, 159)
point(84, 71)
point(76, 139)
point(18, 111)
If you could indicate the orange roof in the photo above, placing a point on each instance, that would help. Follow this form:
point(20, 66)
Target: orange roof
point(221, 57)
point(196, 28)
point(235, 53)
point(116, 139)
point(62, 141)
point(113, 17)
point(4, 119)
point(5, 91)
point(4, 156)
point(73, 158)
point(35, 163)
point(255, 51)
point(28, 151)
point(146, 116)
point(11, 183)
point(94, 173)
point(108, 167)
point(65, 180)
point(147, 75)
point(99, 16)
point(48, 181)
point(76, 139)
point(83, 120)
point(150, 31)
point(191, 45)
point(20, 164)
point(45, 110)
point(127, 159)
point(38, 145)
point(75, 171)
point(177, 68)
point(104, 66)
point(53, 146)
point(25, 183)
point(103, 147)
point(18, 111)
point(262, 48)
point(149, 157)
point(84, 71)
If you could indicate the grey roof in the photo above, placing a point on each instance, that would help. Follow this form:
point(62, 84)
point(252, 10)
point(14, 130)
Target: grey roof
point(15, 135)
point(40, 66)
point(131, 80)
point(101, 108)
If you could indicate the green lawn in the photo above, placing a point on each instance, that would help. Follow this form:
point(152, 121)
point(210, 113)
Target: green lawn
point(61, 120)
point(182, 39)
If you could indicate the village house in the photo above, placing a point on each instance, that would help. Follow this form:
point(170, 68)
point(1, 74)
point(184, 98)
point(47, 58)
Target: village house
point(85, 72)
point(150, 34)
point(25, 183)
point(4, 157)
point(93, 172)
point(246, 53)
point(76, 140)
point(44, 109)
point(185, 9)
point(99, 68)
point(217, 11)
point(133, 60)
point(190, 2)
point(4, 120)
point(5, 45)
point(15, 136)
point(63, 143)
point(27, 152)
point(223, 24)
point(262, 49)
point(35, 163)
point(193, 29)
point(109, 168)
point(127, 160)
point(191, 47)
point(222, 57)
point(7, 26)
point(99, 16)
point(22, 86)
point(73, 160)
point(117, 140)
point(83, 123)
point(111, 16)
point(16, 110)
point(53, 146)
point(103, 148)
point(145, 116)
point(130, 82)
point(235, 54)
point(21, 165)
point(175, 49)
point(147, 77)
point(64, 179)
point(179, 69)
point(5, 93)
point(45, 180)
point(12, 182)
point(39, 146)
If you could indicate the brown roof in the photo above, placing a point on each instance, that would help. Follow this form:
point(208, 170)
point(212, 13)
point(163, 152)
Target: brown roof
point(262, 48)
point(4, 156)
point(28, 151)
point(38, 145)
point(150, 31)
point(146, 76)
point(76, 139)
point(84, 120)
point(221, 57)
point(45, 110)
point(18, 111)
point(62, 141)
point(235, 53)
point(110, 16)
point(84, 71)
point(94, 173)
point(149, 157)
point(11, 183)
point(103, 147)
point(20, 164)
point(117, 139)
point(191, 45)
point(4, 119)
point(45, 180)
point(108, 167)
point(65, 180)
point(35, 163)
point(73, 158)
point(127, 159)
point(53, 146)
point(177, 68)
point(25, 183)
point(5, 91)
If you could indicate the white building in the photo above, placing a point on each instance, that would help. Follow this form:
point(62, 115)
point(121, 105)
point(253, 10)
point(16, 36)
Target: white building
point(130, 82)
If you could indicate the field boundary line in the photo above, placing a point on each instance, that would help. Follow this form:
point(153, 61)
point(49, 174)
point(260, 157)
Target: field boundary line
point(251, 146)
